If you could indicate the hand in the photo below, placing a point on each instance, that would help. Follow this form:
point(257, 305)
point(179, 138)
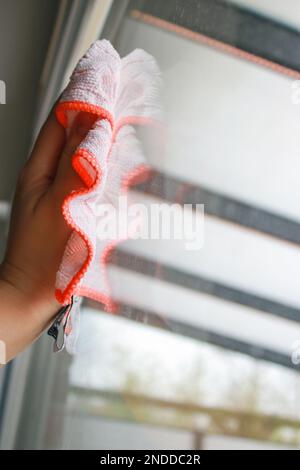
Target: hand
point(38, 234)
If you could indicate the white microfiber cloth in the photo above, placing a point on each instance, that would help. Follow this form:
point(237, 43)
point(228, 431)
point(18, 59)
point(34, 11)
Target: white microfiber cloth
point(121, 93)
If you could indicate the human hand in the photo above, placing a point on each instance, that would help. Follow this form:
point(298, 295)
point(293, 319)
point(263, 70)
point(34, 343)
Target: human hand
point(38, 234)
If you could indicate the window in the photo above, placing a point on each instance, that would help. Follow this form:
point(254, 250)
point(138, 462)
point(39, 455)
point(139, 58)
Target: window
point(204, 351)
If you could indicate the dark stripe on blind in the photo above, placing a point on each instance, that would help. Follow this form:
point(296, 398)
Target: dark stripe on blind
point(159, 320)
point(232, 25)
point(206, 336)
point(197, 283)
point(175, 191)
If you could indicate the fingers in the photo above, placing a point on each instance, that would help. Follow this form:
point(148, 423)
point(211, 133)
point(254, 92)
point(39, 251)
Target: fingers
point(43, 161)
point(49, 167)
point(66, 179)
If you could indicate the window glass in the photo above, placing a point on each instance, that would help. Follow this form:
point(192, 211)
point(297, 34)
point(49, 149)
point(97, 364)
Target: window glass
point(204, 350)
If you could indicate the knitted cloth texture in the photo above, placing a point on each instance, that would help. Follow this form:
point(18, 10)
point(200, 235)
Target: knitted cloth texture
point(121, 93)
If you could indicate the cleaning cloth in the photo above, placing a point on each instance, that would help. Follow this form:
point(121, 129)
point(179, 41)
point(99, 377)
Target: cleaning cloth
point(121, 94)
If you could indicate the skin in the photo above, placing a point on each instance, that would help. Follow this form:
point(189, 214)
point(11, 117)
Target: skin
point(38, 234)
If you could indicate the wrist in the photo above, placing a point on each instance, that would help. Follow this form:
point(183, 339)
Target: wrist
point(23, 315)
point(25, 293)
